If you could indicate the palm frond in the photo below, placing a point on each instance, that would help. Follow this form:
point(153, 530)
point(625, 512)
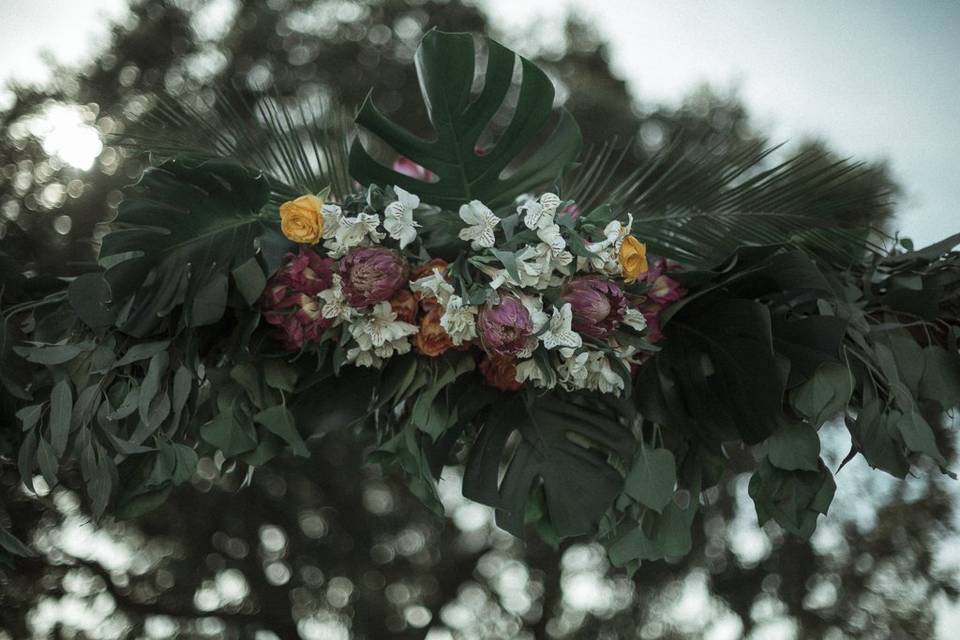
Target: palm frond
point(699, 207)
point(302, 145)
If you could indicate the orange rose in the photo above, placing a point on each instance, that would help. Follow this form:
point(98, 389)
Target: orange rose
point(633, 259)
point(431, 340)
point(301, 220)
point(500, 373)
point(404, 304)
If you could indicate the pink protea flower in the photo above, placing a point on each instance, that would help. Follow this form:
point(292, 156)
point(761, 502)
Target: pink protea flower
point(290, 300)
point(308, 272)
point(371, 275)
point(505, 327)
point(598, 305)
point(408, 167)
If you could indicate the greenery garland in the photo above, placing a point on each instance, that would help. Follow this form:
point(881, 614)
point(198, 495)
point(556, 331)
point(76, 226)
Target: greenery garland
point(487, 300)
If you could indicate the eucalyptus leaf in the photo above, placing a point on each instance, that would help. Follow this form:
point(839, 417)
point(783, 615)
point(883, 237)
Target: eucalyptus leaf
point(794, 447)
point(652, 478)
point(61, 407)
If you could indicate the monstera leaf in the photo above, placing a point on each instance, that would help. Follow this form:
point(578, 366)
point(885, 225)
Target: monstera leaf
point(458, 155)
point(566, 444)
point(184, 229)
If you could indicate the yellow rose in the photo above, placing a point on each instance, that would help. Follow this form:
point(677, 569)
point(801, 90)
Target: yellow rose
point(301, 220)
point(633, 259)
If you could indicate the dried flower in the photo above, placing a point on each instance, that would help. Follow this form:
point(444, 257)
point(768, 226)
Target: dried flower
point(371, 275)
point(432, 340)
point(598, 305)
point(500, 372)
point(633, 259)
point(301, 220)
point(505, 327)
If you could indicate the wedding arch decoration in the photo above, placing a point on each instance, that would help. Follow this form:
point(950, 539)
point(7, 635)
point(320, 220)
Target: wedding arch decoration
point(589, 350)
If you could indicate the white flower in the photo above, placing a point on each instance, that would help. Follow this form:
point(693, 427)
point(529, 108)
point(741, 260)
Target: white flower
point(538, 320)
point(379, 327)
point(459, 320)
point(634, 319)
point(606, 250)
point(601, 375)
point(481, 222)
point(379, 335)
point(433, 285)
point(529, 371)
point(352, 232)
point(398, 217)
point(539, 213)
point(559, 332)
point(572, 370)
point(334, 304)
point(332, 215)
point(551, 236)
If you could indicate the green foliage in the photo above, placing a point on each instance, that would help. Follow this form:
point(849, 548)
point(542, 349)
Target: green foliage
point(566, 444)
point(793, 499)
point(794, 447)
point(652, 478)
point(698, 210)
point(468, 162)
point(184, 230)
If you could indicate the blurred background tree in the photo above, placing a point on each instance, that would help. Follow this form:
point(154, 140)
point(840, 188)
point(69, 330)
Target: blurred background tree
point(328, 548)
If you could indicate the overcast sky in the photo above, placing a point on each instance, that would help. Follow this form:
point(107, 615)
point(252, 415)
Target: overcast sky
point(878, 79)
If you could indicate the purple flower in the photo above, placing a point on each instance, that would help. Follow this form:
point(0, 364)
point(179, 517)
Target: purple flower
point(289, 301)
point(307, 272)
point(598, 305)
point(505, 327)
point(371, 275)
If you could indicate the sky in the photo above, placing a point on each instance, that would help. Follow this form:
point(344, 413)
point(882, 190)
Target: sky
point(877, 79)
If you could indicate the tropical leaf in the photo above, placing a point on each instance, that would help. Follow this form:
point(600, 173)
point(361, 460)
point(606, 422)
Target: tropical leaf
point(301, 144)
point(566, 444)
point(469, 165)
point(698, 209)
point(182, 230)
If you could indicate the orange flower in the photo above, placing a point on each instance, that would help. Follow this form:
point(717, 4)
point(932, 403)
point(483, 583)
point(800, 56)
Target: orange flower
point(431, 340)
point(633, 259)
point(404, 304)
point(427, 268)
point(500, 373)
point(301, 220)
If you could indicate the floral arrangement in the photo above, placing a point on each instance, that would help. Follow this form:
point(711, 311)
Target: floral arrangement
point(539, 317)
point(487, 298)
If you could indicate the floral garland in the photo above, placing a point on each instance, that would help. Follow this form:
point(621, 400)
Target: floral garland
point(508, 320)
point(548, 319)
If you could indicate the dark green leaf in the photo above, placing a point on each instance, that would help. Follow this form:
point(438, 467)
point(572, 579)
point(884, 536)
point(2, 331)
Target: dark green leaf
point(652, 478)
point(566, 443)
point(182, 229)
point(941, 377)
point(61, 407)
point(794, 447)
point(230, 433)
point(141, 351)
point(793, 498)
point(467, 167)
point(824, 395)
point(279, 421)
